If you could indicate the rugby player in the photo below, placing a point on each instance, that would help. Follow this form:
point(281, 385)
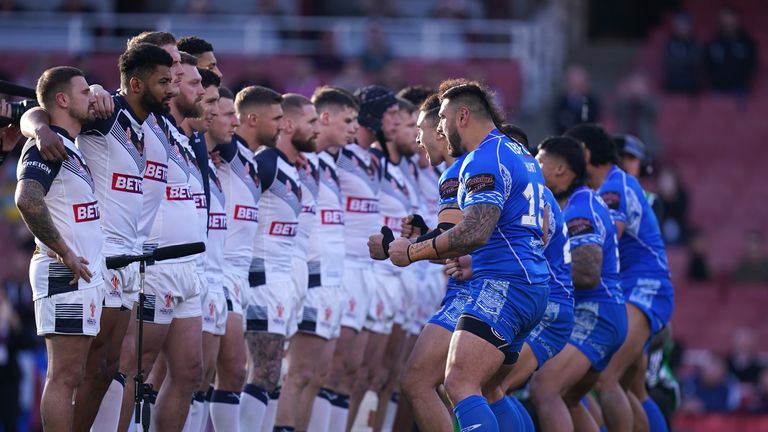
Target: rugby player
point(202, 50)
point(58, 204)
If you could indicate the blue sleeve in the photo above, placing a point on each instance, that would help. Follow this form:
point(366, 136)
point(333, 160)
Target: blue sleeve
point(582, 225)
point(612, 192)
point(266, 168)
point(483, 183)
point(228, 151)
point(449, 186)
point(33, 167)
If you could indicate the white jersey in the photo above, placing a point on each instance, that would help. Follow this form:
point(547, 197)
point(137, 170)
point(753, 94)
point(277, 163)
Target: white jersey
point(242, 189)
point(114, 151)
point(176, 221)
point(196, 187)
point(326, 244)
point(395, 203)
point(71, 201)
point(279, 210)
point(157, 149)
point(217, 234)
point(429, 178)
point(360, 182)
point(411, 174)
point(309, 178)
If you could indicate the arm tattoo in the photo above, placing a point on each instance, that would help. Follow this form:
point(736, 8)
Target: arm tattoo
point(476, 228)
point(30, 199)
point(587, 263)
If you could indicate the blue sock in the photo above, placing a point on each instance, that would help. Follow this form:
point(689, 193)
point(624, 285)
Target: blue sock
point(656, 421)
point(474, 414)
point(526, 422)
point(506, 415)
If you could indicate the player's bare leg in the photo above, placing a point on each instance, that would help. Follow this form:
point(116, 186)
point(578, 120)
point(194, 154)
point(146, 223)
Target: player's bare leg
point(320, 377)
point(230, 373)
point(387, 379)
point(375, 346)
point(265, 356)
point(302, 353)
point(66, 368)
point(524, 367)
point(347, 361)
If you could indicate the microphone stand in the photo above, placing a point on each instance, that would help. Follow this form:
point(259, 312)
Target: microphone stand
point(142, 390)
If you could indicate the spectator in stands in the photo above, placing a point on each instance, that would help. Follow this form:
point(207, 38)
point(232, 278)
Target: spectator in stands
point(753, 266)
point(711, 389)
point(352, 77)
point(759, 404)
point(10, 375)
point(327, 59)
point(731, 56)
point(377, 53)
point(674, 200)
point(304, 80)
point(682, 58)
point(698, 261)
point(577, 104)
point(743, 361)
point(636, 111)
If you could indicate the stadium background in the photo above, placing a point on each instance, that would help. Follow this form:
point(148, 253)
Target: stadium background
point(707, 143)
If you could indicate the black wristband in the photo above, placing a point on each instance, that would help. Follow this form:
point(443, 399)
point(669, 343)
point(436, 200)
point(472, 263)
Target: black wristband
point(389, 237)
point(418, 222)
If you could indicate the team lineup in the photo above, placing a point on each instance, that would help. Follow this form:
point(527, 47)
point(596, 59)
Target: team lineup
point(405, 243)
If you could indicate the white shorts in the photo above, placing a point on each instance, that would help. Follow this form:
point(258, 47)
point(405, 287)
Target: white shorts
point(72, 313)
point(121, 286)
point(386, 301)
point(233, 290)
point(272, 308)
point(172, 291)
point(214, 312)
point(301, 281)
point(322, 312)
point(427, 294)
point(356, 294)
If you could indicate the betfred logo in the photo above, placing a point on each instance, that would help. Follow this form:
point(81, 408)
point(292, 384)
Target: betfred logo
point(126, 183)
point(178, 193)
point(200, 200)
point(362, 205)
point(217, 221)
point(245, 213)
point(394, 223)
point(156, 171)
point(332, 217)
point(283, 229)
point(86, 212)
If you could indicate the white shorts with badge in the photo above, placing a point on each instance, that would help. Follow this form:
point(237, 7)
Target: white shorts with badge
point(356, 292)
point(427, 293)
point(386, 300)
point(121, 286)
point(172, 291)
point(71, 313)
point(322, 312)
point(234, 287)
point(214, 311)
point(272, 308)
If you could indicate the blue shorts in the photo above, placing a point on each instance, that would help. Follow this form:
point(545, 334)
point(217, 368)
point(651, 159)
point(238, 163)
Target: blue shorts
point(511, 309)
point(655, 297)
point(599, 330)
point(552, 333)
point(456, 297)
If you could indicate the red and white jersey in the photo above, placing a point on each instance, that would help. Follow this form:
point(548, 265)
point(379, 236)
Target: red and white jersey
point(71, 201)
point(396, 202)
point(279, 210)
point(310, 179)
point(197, 189)
point(114, 151)
point(360, 182)
point(176, 221)
point(217, 233)
point(157, 149)
point(326, 244)
point(429, 179)
point(242, 189)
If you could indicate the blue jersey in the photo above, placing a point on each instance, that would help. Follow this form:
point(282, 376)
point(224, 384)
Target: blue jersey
point(641, 246)
point(499, 173)
point(448, 185)
point(558, 254)
point(589, 222)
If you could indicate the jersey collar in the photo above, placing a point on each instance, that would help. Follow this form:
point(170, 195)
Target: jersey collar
point(62, 132)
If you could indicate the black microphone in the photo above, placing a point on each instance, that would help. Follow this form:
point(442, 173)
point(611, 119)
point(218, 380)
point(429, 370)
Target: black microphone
point(17, 90)
point(120, 261)
point(159, 254)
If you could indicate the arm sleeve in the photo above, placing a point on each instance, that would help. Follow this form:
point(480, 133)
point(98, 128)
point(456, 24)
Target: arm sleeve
point(33, 167)
point(483, 183)
point(581, 226)
point(612, 193)
point(266, 168)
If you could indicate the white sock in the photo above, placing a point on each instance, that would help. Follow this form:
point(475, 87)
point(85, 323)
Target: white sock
point(339, 414)
point(225, 411)
point(195, 414)
point(271, 414)
point(321, 411)
point(108, 416)
point(206, 410)
point(253, 406)
point(389, 417)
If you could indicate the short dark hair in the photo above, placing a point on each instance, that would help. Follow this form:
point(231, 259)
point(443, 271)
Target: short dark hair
point(430, 107)
point(406, 105)
point(140, 60)
point(514, 132)
point(158, 38)
point(327, 96)
point(225, 92)
point(187, 58)
point(601, 147)
point(208, 78)
point(475, 95)
point(293, 102)
point(194, 45)
point(415, 94)
point(256, 96)
point(572, 152)
point(55, 80)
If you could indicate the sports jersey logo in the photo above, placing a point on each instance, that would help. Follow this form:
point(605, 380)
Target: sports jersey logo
point(393, 223)
point(93, 309)
point(217, 221)
point(308, 209)
point(352, 303)
point(327, 313)
point(449, 188)
point(245, 213)
point(578, 226)
point(283, 229)
point(86, 212)
point(178, 193)
point(200, 201)
point(115, 282)
point(611, 199)
point(379, 309)
point(139, 142)
point(92, 319)
point(168, 299)
point(126, 183)
point(280, 310)
point(480, 183)
point(332, 217)
point(362, 205)
point(156, 171)
point(210, 309)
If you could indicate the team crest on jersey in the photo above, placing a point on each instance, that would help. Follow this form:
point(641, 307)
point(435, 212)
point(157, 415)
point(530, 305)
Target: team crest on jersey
point(327, 313)
point(138, 142)
point(210, 309)
point(92, 319)
point(352, 304)
point(280, 310)
point(379, 309)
